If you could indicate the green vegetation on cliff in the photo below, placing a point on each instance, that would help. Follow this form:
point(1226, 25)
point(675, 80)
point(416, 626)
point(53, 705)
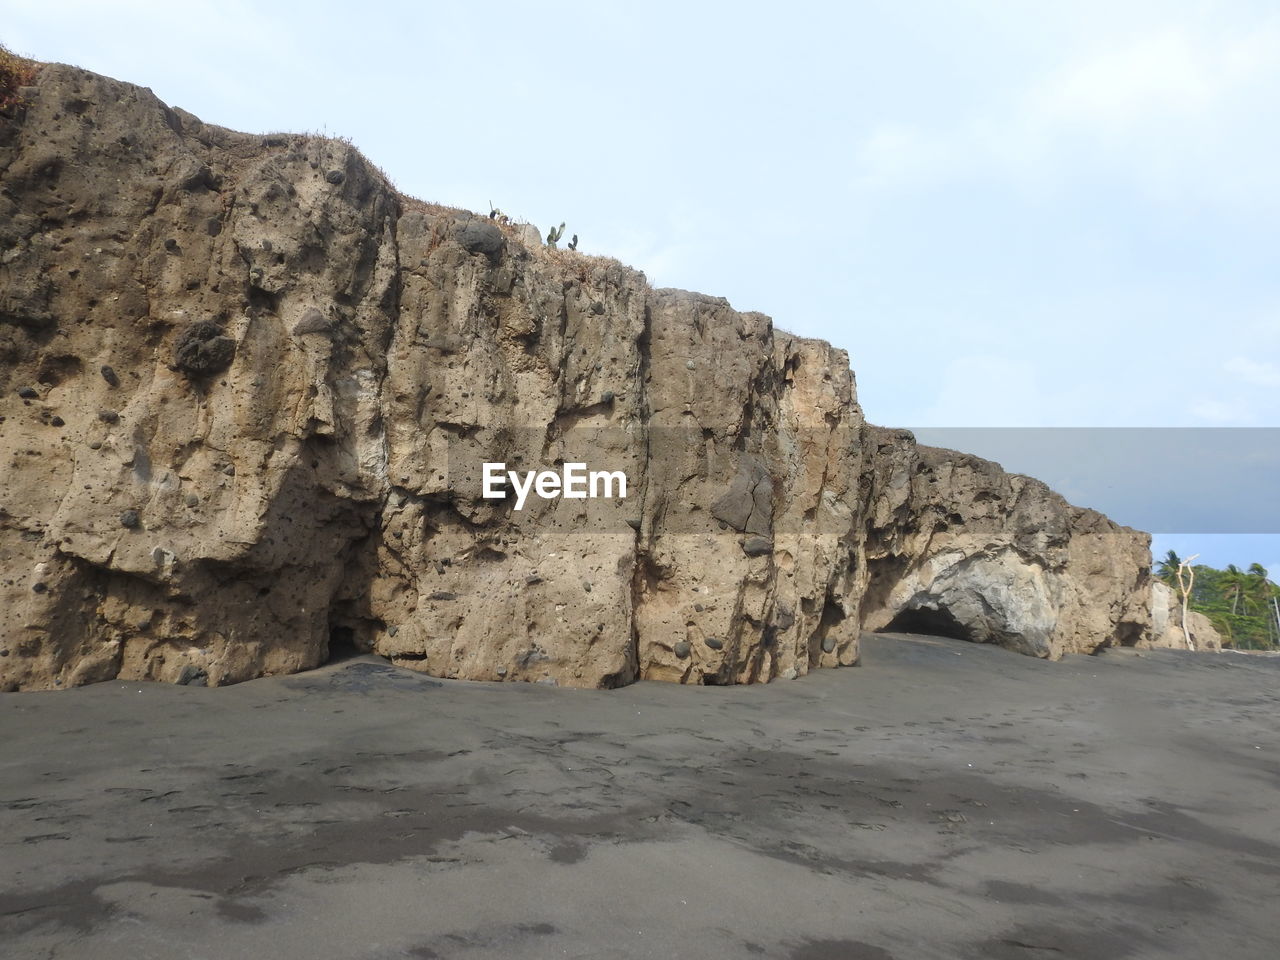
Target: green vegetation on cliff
point(15, 72)
point(1242, 604)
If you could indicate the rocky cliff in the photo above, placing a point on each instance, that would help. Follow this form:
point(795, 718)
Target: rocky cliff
point(1166, 623)
point(247, 390)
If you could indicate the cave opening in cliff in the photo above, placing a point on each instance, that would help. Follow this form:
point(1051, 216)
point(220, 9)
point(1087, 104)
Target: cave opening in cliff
point(936, 622)
point(342, 644)
point(1127, 635)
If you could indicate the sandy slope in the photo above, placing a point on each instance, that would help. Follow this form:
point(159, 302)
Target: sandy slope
point(945, 800)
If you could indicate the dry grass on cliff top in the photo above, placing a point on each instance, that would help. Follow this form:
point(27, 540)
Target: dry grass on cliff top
point(581, 264)
point(577, 262)
point(428, 206)
point(15, 72)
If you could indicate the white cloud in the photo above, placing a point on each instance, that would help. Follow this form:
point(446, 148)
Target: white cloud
point(1263, 328)
point(1257, 372)
point(899, 152)
point(1166, 73)
point(979, 388)
point(1221, 412)
point(1179, 113)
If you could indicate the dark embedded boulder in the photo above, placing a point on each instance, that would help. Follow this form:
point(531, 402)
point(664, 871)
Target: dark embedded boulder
point(482, 236)
point(202, 349)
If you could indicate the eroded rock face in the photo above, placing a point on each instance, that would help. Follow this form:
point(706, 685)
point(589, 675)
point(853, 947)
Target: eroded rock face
point(1166, 623)
point(957, 546)
point(247, 391)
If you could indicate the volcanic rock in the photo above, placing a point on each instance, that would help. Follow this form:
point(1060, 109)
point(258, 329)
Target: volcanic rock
point(305, 383)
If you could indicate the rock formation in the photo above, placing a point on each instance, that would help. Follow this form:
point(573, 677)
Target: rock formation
point(247, 389)
point(1166, 623)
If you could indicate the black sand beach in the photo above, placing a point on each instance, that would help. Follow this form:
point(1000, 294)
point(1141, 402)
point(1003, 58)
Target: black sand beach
point(944, 800)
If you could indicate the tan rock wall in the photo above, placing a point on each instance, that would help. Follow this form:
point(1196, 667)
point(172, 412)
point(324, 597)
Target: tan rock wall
point(1166, 623)
point(246, 390)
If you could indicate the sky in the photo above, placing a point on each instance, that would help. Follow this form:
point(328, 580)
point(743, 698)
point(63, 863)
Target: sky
point(1009, 213)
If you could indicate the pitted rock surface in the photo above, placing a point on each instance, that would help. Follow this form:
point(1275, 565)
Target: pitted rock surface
point(246, 387)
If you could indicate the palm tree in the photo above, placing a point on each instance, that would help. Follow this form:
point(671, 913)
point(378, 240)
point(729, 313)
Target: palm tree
point(1253, 587)
point(1260, 590)
point(1168, 571)
point(1234, 582)
point(1257, 579)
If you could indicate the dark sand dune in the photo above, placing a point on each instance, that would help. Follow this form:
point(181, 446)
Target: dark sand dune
point(945, 800)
